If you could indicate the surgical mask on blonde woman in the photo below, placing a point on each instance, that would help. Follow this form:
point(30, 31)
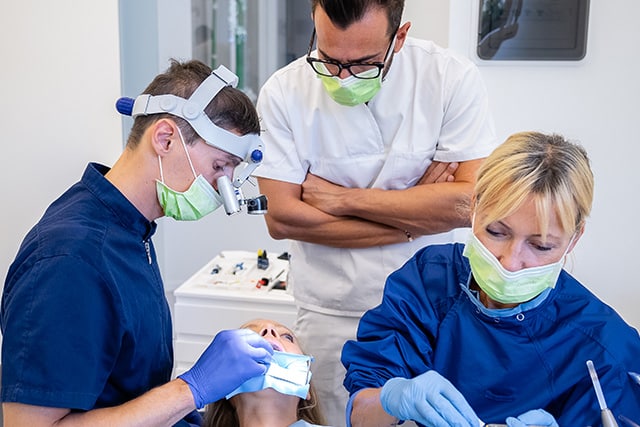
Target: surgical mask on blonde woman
point(509, 287)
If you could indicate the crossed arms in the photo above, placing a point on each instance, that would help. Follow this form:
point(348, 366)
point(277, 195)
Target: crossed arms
point(318, 211)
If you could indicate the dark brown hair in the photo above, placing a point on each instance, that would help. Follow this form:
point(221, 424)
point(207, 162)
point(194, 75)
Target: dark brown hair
point(343, 13)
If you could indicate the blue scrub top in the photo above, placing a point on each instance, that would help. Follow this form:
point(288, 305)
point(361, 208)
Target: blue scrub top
point(504, 364)
point(84, 317)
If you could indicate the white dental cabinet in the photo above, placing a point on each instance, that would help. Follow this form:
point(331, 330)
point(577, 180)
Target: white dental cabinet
point(224, 294)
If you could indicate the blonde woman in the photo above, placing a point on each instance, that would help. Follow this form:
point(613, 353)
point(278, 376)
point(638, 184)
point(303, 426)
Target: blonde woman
point(495, 330)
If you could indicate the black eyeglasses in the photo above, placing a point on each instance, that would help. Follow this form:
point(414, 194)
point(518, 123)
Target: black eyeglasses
point(330, 68)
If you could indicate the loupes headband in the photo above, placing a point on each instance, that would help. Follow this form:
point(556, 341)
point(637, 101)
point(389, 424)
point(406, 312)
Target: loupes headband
point(248, 147)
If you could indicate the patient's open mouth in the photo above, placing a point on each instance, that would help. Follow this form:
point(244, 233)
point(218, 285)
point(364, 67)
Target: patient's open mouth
point(275, 346)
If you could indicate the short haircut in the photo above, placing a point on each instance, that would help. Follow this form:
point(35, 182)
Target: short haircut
point(343, 13)
point(230, 109)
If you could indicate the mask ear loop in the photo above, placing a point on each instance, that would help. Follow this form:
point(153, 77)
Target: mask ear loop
point(186, 152)
point(391, 48)
point(388, 56)
point(566, 251)
point(161, 174)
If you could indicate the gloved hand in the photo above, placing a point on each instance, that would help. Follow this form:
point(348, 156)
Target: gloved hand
point(536, 417)
point(429, 399)
point(233, 357)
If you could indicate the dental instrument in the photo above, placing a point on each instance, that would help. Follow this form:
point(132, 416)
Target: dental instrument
point(607, 416)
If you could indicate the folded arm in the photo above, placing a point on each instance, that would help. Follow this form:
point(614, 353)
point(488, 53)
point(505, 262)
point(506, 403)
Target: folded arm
point(319, 211)
point(289, 217)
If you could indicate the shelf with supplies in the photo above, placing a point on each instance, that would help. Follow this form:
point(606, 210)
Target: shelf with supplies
point(231, 289)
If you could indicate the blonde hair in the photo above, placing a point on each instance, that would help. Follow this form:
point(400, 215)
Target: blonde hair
point(553, 171)
point(223, 414)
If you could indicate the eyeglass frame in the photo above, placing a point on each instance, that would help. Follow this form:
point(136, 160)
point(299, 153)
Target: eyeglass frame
point(379, 65)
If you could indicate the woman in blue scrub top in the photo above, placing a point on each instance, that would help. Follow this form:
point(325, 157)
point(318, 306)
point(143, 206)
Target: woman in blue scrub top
point(495, 330)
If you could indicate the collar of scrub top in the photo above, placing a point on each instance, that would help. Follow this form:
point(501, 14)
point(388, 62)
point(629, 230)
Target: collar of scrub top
point(248, 147)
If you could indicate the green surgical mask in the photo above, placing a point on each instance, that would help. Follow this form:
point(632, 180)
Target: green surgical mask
point(198, 200)
point(504, 286)
point(352, 90)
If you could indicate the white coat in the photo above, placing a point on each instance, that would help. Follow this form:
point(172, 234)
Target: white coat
point(432, 106)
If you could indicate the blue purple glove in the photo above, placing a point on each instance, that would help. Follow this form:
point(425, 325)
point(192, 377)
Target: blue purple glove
point(536, 417)
point(429, 399)
point(232, 358)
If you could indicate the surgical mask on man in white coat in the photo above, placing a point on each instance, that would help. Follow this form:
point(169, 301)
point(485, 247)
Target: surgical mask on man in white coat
point(354, 89)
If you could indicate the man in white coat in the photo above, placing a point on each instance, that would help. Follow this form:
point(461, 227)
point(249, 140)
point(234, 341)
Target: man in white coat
point(374, 139)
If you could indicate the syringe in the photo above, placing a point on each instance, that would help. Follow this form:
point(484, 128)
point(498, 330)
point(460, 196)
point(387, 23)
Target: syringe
point(607, 416)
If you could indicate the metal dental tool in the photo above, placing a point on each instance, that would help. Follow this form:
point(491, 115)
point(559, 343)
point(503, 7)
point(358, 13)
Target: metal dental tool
point(608, 419)
point(233, 199)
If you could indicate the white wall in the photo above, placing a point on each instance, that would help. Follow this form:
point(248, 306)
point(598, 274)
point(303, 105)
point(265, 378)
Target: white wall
point(60, 78)
point(429, 20)
point(594, 101)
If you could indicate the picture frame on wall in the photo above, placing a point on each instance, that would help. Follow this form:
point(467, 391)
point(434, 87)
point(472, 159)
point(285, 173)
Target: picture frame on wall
point(532, 30)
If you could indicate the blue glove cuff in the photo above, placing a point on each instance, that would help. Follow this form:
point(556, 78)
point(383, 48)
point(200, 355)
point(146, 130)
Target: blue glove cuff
point(197, 398)
point(387, 393)
point(350, 407)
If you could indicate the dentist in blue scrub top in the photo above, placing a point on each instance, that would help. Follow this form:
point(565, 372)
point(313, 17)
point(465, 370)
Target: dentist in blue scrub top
point(87, 336)
point(496, 330)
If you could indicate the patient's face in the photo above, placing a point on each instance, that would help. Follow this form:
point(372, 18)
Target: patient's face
point(279, 336)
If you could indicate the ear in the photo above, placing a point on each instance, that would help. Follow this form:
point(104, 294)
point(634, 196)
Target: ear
point(162, 133)
point(401, 36)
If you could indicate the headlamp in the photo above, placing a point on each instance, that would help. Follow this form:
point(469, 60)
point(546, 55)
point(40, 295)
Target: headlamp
point(248, 147)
